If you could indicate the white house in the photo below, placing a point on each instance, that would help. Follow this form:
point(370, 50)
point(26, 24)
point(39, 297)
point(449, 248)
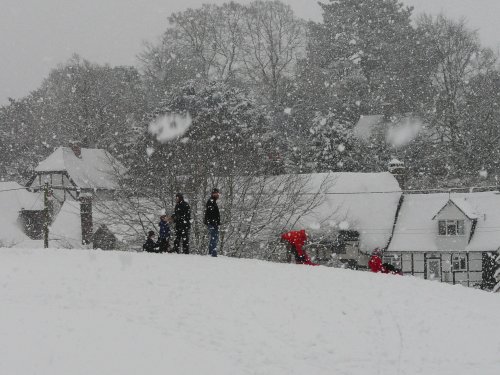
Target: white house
point(82, 180)
point(73, 169)
point(444, 236)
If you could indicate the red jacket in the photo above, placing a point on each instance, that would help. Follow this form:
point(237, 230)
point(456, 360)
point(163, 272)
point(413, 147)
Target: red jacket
point(298, 238)
point(376, 265)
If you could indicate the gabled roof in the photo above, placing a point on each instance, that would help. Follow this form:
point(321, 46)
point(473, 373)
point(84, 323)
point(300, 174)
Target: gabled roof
point(14, 198)
point(462, 204)
point(417, 231)
point(95, 169)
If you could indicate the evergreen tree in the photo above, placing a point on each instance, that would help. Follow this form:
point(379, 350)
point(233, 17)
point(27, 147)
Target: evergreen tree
point(373, 43)
point(333, 147)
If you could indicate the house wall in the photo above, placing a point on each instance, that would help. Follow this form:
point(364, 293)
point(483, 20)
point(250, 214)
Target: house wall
point(415, 264)
point(451, 212)
point(58, 181)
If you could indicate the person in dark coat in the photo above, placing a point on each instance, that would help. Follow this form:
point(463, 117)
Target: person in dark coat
point(182, 220)
point(150, 245)
point(164, 237)
point(212, 221)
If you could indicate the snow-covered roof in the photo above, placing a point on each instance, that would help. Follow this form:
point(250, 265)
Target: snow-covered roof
point(14, 198)
point(364, 202)
point(417, 231)
point(95, 169)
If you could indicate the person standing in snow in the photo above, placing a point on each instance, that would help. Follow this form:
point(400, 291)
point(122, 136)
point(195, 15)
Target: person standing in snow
point(164, 237)
point(182, 220)
point(375, 262)
point(212, 221)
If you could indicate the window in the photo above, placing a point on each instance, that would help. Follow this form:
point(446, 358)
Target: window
point(451, 228)
point(459, 262)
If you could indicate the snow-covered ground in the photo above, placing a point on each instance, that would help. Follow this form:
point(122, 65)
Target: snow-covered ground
point(92, 312)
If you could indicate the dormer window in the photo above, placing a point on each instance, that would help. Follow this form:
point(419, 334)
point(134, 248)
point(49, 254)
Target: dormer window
point(451, 228)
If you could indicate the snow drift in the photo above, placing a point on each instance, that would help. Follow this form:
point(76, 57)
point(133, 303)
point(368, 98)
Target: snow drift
point(93, 312)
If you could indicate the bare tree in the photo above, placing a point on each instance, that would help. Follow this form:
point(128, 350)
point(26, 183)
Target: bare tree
point(457, 56)
point(227, 22)
point(207, 38)
point(275, 38)
point(258, 44)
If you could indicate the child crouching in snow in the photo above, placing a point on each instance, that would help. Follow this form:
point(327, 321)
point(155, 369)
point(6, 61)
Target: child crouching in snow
point(150, 245)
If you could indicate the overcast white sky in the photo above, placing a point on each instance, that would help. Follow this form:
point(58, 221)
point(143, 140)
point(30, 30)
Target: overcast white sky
point(36, 35)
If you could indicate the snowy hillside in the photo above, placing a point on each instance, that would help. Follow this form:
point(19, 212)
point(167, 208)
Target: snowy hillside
point(91, 312)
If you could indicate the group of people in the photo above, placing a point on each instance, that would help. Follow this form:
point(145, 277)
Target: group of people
point(181, 219)
point(297, 239)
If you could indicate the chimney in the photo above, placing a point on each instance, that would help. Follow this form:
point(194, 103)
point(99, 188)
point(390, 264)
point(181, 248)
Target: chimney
point(86, 218)
point(398, 170)
point(388, 111)
point(76, 148)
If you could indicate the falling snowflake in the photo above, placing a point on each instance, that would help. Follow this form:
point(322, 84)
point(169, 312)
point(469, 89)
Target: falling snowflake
point(344, 225)
point(170, 126)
